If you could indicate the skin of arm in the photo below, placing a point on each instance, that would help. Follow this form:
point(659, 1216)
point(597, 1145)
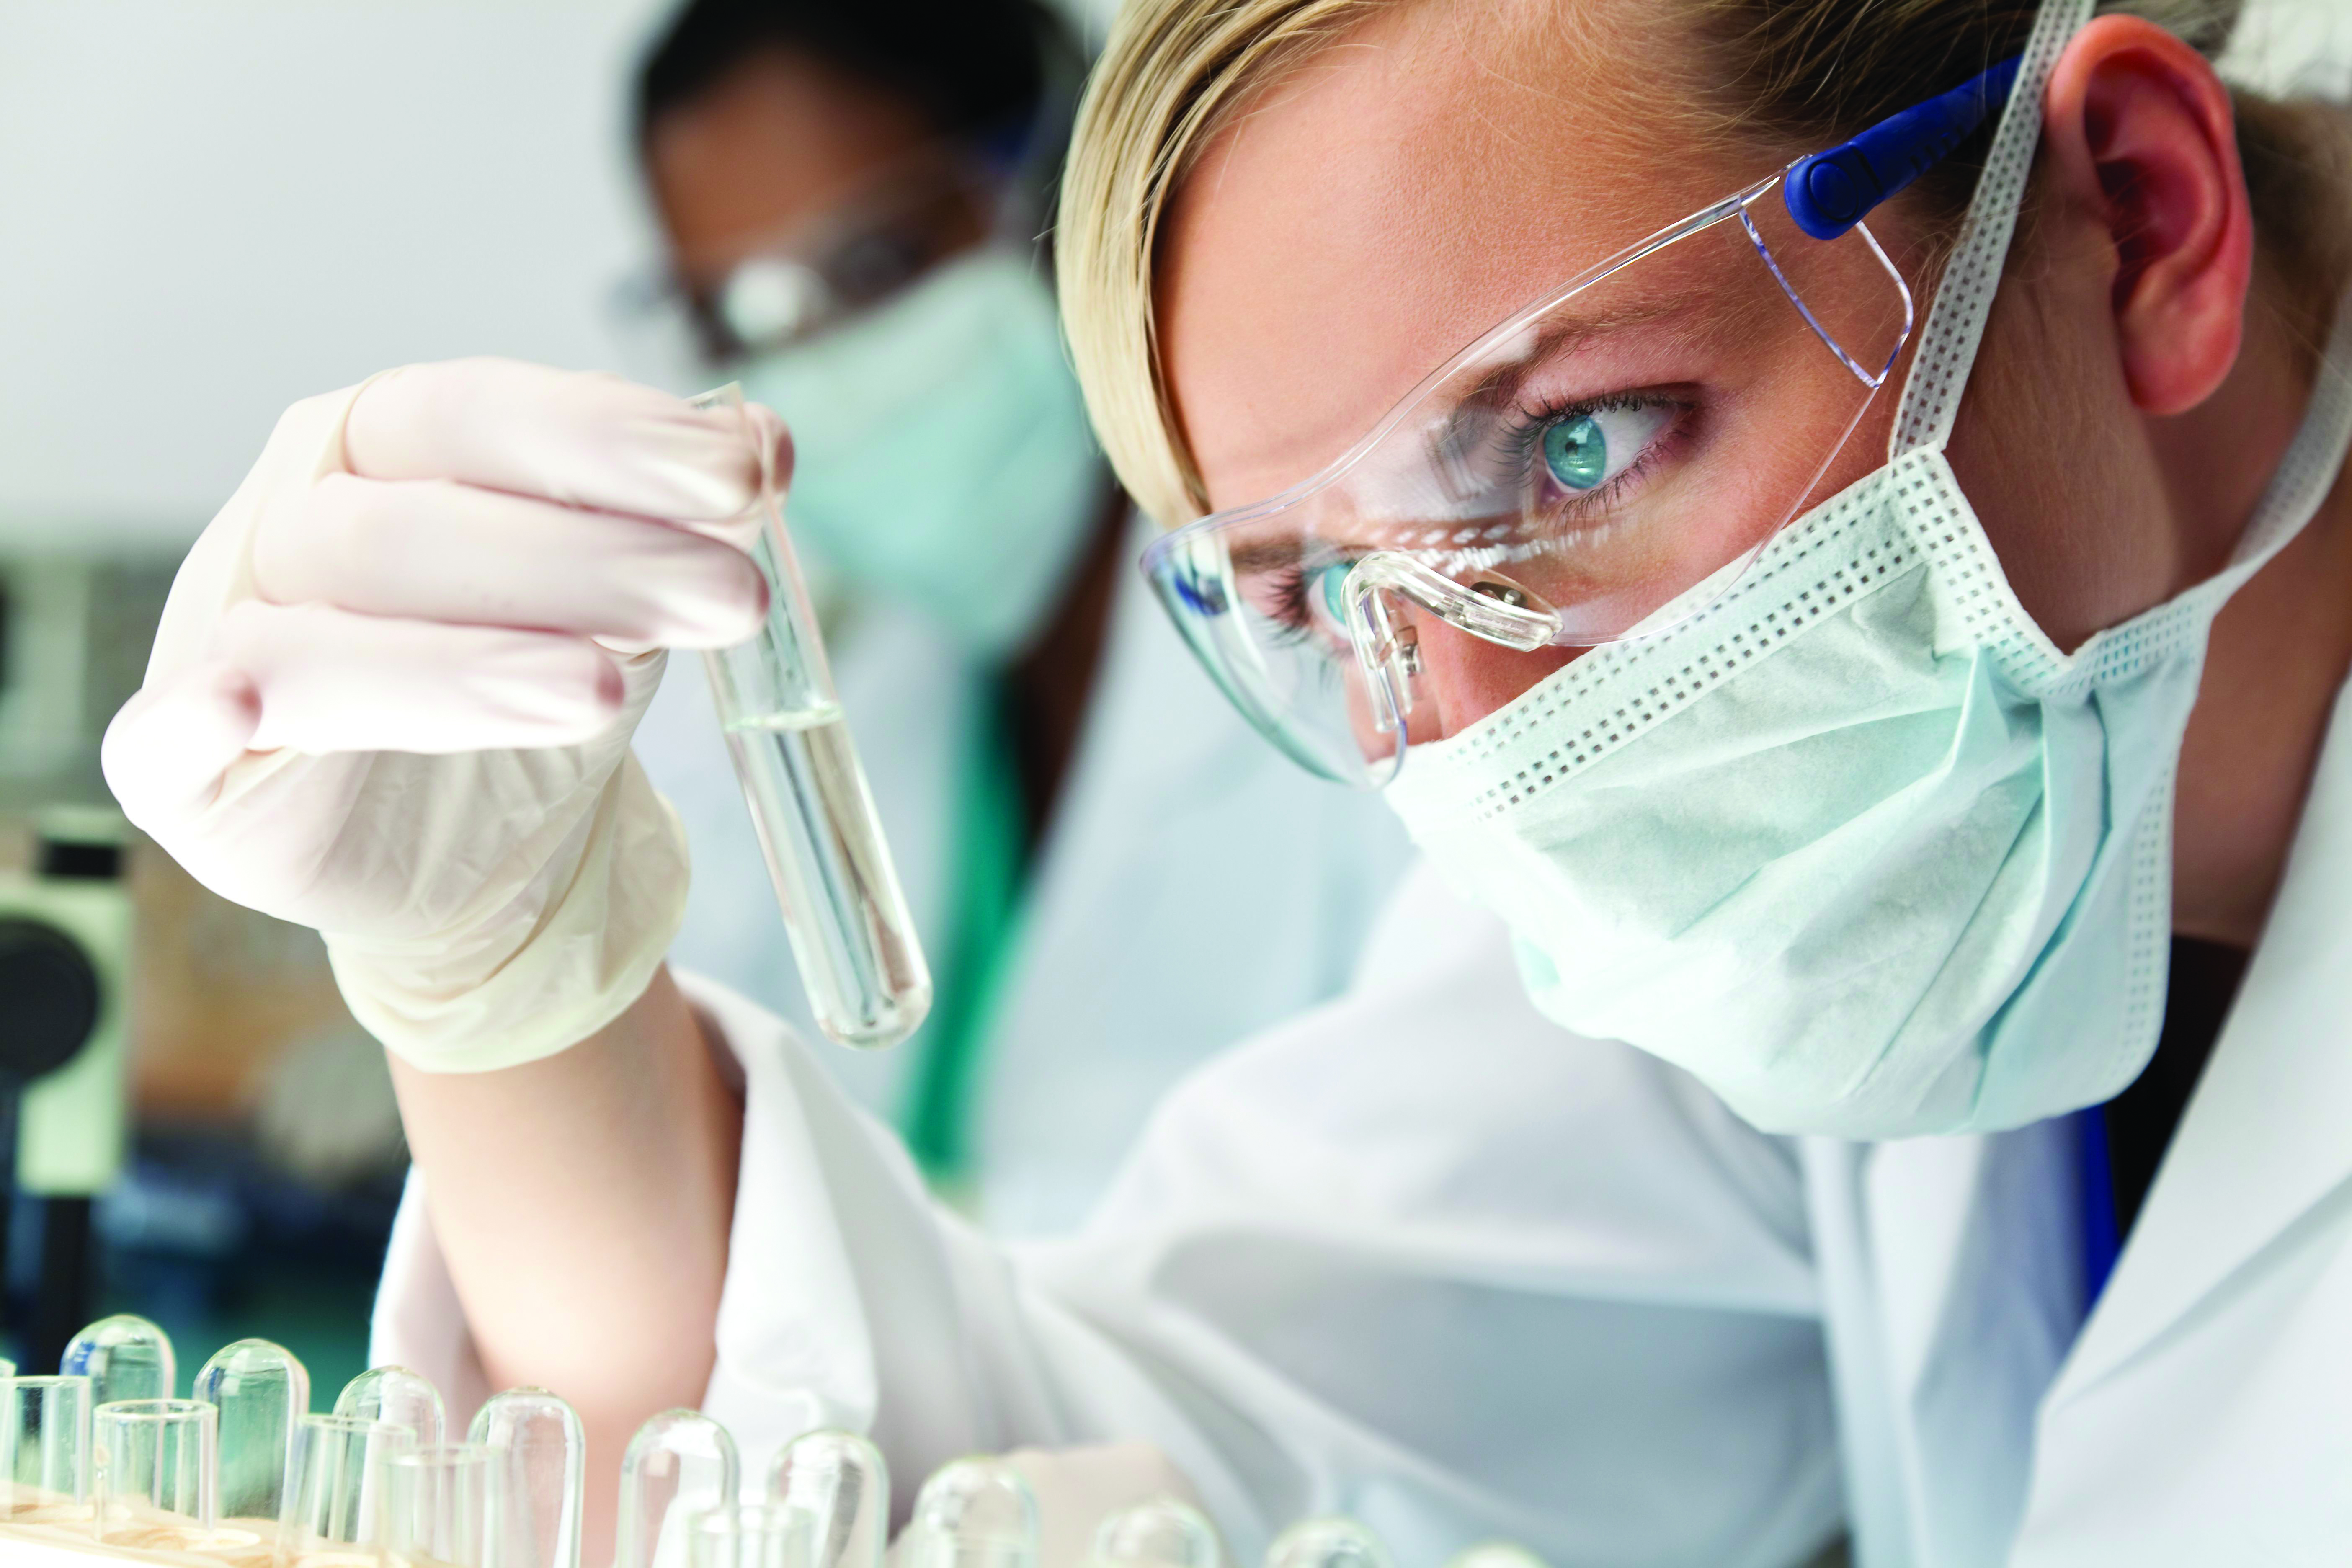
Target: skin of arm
point(583, 1205)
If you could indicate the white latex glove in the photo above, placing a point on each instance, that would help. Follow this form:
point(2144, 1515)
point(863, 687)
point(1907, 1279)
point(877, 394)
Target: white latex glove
point(393, 689)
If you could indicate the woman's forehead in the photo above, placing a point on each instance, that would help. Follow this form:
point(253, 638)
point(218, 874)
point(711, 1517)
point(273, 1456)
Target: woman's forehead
point(1410, 185)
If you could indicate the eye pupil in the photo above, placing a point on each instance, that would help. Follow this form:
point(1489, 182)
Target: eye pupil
point(1576, 452)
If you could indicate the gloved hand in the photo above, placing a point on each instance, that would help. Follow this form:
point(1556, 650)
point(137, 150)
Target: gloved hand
point(393, 691)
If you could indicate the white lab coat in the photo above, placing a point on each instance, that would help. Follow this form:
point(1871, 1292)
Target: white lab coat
point(1421, 1256)
point(1179, 831)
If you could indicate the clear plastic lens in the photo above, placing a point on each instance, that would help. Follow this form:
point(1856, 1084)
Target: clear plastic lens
point(1574, 473)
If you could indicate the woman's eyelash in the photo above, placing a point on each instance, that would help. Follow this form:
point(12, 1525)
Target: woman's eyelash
point(1287, 589)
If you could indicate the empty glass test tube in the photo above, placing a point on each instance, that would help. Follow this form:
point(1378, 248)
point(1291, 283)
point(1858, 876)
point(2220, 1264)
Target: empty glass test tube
point(851, 935)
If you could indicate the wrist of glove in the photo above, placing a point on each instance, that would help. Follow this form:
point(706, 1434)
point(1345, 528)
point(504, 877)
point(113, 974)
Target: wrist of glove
point(538, 958)
point(393, 691)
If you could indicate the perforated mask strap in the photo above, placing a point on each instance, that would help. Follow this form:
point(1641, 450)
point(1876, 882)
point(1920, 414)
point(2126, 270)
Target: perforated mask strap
point(1956, 324)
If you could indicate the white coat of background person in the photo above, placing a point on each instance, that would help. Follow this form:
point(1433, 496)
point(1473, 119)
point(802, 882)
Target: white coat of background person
point(849, 196)
point(1315, 1251)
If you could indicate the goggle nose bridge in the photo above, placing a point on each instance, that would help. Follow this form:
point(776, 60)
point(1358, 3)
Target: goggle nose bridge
point(1493, 608)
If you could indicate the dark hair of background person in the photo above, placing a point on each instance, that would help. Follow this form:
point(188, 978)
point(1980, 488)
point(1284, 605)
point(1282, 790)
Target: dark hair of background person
point(969, 67)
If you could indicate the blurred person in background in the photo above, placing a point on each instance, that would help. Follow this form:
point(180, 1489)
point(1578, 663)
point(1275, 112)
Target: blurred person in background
point(1097, 852)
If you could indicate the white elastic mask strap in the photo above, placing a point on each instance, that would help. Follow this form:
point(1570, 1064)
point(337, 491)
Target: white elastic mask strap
point(1948, 347)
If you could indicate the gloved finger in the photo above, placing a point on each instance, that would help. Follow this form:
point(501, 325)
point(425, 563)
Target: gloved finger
point(331, 680)
point(165, 753)
point(584, 438)
point(438, 551)
point(767, 431)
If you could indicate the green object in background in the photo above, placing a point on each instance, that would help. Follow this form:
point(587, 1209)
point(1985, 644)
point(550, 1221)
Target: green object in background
point(991, 868)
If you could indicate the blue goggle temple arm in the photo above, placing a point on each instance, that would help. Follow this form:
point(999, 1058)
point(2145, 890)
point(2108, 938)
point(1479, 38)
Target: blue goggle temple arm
point(1831, 192)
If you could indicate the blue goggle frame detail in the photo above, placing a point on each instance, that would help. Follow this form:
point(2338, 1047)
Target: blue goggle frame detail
point(1829, 192)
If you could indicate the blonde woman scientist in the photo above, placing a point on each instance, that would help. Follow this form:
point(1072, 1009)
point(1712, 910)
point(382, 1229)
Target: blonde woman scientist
point(1844, 708)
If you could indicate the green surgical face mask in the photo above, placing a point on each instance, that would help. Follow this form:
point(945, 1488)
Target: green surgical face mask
point(941, 451)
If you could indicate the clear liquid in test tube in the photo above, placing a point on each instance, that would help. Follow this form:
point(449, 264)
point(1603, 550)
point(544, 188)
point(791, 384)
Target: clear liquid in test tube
point(843, 911)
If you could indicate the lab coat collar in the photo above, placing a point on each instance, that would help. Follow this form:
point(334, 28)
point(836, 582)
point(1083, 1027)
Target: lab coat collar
point(2265, 1137)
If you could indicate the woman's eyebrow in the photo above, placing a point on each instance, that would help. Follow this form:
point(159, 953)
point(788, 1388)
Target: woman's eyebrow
point(1560, 338)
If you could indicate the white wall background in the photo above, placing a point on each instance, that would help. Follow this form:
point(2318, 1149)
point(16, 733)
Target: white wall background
point(209, 209)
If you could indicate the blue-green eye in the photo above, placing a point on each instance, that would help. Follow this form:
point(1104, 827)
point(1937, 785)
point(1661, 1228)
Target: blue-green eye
point(1326, 586)
point(1584, 451)
point(1577, 452)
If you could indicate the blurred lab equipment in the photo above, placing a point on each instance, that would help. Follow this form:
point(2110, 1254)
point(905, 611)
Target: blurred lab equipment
point(858, 955)
point(64, 963)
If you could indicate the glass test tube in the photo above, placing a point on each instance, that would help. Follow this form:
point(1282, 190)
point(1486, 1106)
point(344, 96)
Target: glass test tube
point(338, 1483)
point(1161, 1533)
point(680, 1463)
point(841, 1482)
point(260, 1390)
point(750, 1535)
point(44, 1446)
point(398, 1397)
point(155, 1461)
point(846, 917)
point(538, 1494)
point(441, 1506)
point(975, 1512)
point(1332, 1541)
point(125, 1357)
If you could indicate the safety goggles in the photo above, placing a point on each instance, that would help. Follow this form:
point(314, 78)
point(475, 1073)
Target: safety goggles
point(869, 247)
point(1600, 465)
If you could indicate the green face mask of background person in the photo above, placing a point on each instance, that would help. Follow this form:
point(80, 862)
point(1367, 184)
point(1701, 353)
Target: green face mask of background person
point(942, 456)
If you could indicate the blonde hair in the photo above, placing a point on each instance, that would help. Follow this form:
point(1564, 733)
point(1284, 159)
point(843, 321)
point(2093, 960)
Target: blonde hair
point(1802, 72)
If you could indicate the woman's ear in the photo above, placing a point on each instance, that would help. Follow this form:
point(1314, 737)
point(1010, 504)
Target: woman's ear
point(2140, 132)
